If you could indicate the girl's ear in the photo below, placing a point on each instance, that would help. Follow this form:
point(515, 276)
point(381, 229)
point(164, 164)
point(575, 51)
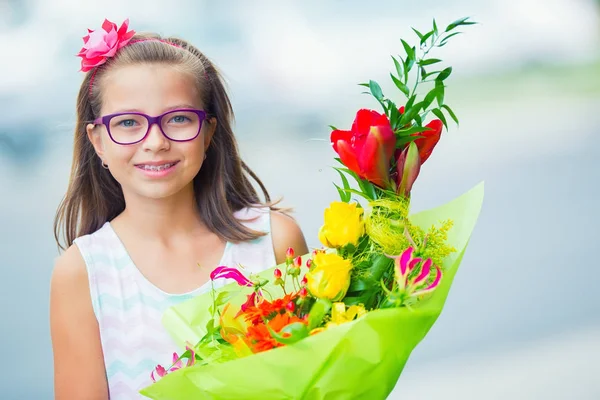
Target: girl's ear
point(210, 131)
point(95, 138)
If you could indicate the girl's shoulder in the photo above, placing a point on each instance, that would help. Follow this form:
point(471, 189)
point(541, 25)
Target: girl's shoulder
point(282, 230)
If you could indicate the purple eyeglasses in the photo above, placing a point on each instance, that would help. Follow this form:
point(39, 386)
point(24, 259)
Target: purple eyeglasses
point(180, 125)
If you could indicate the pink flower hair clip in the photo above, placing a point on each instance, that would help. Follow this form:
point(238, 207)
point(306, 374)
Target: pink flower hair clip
point(101, 44)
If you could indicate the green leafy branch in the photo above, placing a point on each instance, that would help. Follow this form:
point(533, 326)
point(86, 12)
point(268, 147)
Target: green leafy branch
point(415, 65)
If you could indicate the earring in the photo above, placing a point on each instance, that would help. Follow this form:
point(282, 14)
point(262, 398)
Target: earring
point(105, 166)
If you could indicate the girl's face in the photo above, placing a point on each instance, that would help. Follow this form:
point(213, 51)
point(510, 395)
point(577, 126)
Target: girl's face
point(155, 167)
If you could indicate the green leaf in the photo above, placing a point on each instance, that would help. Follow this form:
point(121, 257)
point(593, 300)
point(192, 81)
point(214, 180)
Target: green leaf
point(445, 40)
point(367, 189)
point(344, 179)
point(363, 84)
point(459, 22)
point(407, 67)
point(344, 196)
point(360, 284)
point(412, 129)
point(430, 61)
point(439, 87)
point(318, 312)
point(429, 97)
point(375, 90)
point(440, 115)
point(398, 66)
point(333, 128)
point(410, 51)
point(224, 297)
point(403, 88)
point(419, 34)
point(423, 72)
point(290, 333)
point(409, 113)
point(402, 141)
point(364, 195)
point(431, 73)
point(451, 113)
point(410, 102)
point(444, 74)
point(394, 116)
point(418, 120)
point(425, 37)
point(435, 28)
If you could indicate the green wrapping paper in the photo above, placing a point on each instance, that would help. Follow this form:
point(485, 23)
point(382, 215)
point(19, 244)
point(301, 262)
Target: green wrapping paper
point(359, 359)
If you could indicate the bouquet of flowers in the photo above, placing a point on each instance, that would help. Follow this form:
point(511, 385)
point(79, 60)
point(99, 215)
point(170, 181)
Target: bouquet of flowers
point(342, 321)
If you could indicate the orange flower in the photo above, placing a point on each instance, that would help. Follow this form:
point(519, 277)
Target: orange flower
point(259, 338)
point(266, 309)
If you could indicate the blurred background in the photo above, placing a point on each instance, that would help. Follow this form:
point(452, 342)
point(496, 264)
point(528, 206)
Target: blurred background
point(523, 318)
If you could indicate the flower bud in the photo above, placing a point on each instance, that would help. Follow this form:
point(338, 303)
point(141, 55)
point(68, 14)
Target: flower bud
point(304, 281)
point(289, 253)
point(298, 262)
point(291, 306)
point(303, 293)
point(277, 273)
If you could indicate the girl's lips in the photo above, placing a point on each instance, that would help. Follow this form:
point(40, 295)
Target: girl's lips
point(157, 169)
point(157, 163)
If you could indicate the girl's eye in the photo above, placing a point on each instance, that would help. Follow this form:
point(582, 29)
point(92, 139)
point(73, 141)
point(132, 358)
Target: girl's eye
point(128, 123)
point(179, 119)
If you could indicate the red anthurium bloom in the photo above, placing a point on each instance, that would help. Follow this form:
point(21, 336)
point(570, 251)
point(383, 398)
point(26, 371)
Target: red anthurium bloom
point(367, 148)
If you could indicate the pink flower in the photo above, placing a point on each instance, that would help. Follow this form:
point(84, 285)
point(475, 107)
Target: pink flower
point(177, 363)
point(230, 273)
point(415, 277)
point(101, 44)
point(160, 371)
point(192, 358)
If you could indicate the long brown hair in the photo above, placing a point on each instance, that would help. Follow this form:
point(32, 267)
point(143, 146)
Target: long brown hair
point(222, 186)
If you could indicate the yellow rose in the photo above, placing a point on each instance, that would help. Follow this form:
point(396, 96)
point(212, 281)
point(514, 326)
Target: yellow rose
point(329, 276)
point(343, 225)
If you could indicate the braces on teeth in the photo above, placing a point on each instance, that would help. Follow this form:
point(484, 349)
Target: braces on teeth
point(157, 167)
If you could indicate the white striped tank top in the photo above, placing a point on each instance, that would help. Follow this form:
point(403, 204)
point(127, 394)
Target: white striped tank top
point(129, 308)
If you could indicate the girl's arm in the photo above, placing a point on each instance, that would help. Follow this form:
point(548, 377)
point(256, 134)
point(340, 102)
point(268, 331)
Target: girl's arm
point(286, 233)
point(79, 371)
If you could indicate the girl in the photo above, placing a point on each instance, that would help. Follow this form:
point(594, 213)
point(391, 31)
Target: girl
point(158, 197)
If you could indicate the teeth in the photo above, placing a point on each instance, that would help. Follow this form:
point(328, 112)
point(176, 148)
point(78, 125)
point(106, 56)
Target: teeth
point(157, 167)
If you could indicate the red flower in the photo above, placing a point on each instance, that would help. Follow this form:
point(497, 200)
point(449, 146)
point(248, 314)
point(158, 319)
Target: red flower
point(250, 302)
point(430, 138)
point(368, 147)
point(101, 44)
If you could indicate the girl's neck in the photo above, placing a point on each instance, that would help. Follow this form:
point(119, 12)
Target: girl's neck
point(162, 219)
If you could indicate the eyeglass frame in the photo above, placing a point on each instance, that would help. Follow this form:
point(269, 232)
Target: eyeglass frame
point(105, 120)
